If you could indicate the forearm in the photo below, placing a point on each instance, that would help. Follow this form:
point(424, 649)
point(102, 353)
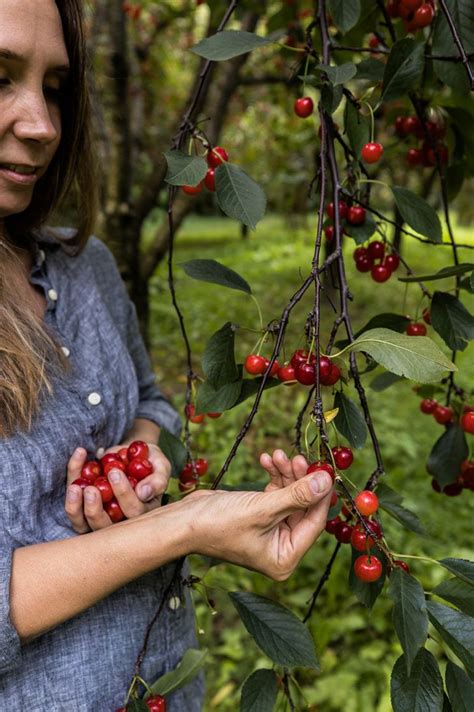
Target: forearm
point(143, 429)
point(57, 580)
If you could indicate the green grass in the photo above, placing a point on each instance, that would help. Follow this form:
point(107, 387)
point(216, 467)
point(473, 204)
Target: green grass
point(357, 649)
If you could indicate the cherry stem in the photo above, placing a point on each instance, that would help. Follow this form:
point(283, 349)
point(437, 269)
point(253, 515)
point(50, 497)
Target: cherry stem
point(258, 309)
point(372, 120)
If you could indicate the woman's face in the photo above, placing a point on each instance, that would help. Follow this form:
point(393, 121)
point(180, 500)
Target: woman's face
point(33, 68)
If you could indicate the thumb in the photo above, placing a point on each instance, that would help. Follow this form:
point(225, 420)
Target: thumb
point(303, 493)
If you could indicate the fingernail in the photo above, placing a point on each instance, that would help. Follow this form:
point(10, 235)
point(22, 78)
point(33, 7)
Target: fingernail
point(320, 483)
point(72, 495)
point(89, 495)
point(145, 492)
point(78, 451)
point(114, 476)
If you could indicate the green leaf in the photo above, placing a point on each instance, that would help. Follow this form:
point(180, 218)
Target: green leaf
point(444, 461)
point(216, 273)
point(350, 421)
point(331, 97)
point(457, 630)
point(460, 688)
point(403, 70)
point(345, 14)
point(210, 400)
point(340, 73)
point(218, 361)
point(457, 592)
point(442, 274)
point(187, 669)
point(404, 516)
point(259, 692)
point(446, 704)
point(387, 495)
point(462, 13)
point(174, 450)
point(184, 169)
point(239, 196)
point(357, 128)
point(370, 69)
point(366, 593)
point(415, 357)
point(361, 233)
point(250, 387)
point(276, 630)
point(417, 213)
point(383, 381)
point(462, 568)
point(387, 320)
point(229, 43)
point(422, 690)
point(410, 618)
point(452, 321)
point(135, 705)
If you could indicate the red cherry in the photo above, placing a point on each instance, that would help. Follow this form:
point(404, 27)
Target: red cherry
point(286, 373)
point(374, 42)
point(114, 510)
point(405, 11)
point(314, 466)
point(412, 125)
point(325, 366)
point(334, 499)
point(401, 565)
point(367, 502)
point(188, 486)
point(187, 474)
point(343, 532)
point(343, 457)
point(372, 152)
point(416, 329)
point(392, 262)
point(139, 468)
point(274, 368)
point(376, 249)
point(374, 527)
point(399, 126)
point(453, 490)
point(192, 189)
point(329, 232)
point(303, 107)
point(356, 215)
point(106, 491)
point(364, 264)
point(435, 485)
point(426, 315)
point(254, 364)
point(109, 457)
point(210, 180)
point(342, 210)
point(301, 356)
point(359, 539)
point(360, 252)
point(380, 273)
point(467, 422)
point(214, 415)
point(91, 470)
point(333, 376)
point(414, 156)
point(367, 568)
point(306, 373)
point(424, 16)
point(201, 466)
point(113, 465)
point(123, 454)
point(81, 483)
point(331, 525)
point(138, 449)
point(468, 408)
point(428, 405)
point(412, 5)
point(443, 414)
point(132, 482)
point(467, 473)
point(190, 410)
point(216, 156)
point(393, 9)
point(157, 703)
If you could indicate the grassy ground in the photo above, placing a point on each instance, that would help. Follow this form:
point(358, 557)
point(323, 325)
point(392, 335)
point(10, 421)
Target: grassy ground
point(357, 648)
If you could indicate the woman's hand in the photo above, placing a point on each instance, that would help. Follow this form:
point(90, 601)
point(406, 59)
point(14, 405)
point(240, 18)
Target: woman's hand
point(84, 507)
point(266, 531)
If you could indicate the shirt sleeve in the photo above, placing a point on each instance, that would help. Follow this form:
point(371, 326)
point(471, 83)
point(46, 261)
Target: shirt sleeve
point(10, 647)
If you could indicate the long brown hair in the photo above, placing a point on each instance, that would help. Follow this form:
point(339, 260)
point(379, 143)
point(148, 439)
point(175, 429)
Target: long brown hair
point(28, 353)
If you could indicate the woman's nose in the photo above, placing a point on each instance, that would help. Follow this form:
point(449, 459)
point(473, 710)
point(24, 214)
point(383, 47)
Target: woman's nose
point(35, 120)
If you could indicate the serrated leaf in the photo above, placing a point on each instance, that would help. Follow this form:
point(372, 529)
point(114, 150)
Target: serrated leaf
point(329, 415)
point(441, 274)
point(415, 357)
point(460, 688)
point(218, 360)
point(361, 233)
point(383, 381)
point(407, 519)
point(229, 43)
point(238, 195)
point(210, 400)
point(350, 421)
point(357, 128)
point(370, 69)
point(410, 618)
point(462, 13)
point(259, 692)
point(422, 690)
point(404, 69)
point(387, 495)
point(345, 14)
point(366, 593)
point(457, 592)
point(250, 387)
point(339, 73)
point(462, 568)
point(184, 169)
point(276, 630)
point(331, 97)
point(457, 630)
point(452, 321)
point(216, 273)
point(449, 451)
point(418, 213)
point(187, 669)
point(174, 450)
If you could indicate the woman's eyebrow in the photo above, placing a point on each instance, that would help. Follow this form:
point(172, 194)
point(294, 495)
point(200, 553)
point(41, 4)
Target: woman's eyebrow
point(15, 57)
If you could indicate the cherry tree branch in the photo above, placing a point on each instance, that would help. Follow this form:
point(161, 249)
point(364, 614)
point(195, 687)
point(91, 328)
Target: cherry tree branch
point(457, 41)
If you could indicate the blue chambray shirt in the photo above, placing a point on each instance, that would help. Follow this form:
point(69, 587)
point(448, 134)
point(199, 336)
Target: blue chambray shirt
point(86, 663)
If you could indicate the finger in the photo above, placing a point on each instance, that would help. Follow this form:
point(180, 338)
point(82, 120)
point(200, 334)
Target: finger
point(283, 464)
point(266, 462)
point(129, 503)
point(74, 509)
point(75, 464)
point(307, 530)
point(300, 466)
point(151, 487)
point(94, 512)
point(300, 495)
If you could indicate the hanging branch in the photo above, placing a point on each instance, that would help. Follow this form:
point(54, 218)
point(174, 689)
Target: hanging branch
point(457, 41)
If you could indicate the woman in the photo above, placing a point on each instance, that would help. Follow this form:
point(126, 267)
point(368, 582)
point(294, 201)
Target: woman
point(77, 591)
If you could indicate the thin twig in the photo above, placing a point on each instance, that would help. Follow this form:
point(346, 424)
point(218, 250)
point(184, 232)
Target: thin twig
point(457, 41)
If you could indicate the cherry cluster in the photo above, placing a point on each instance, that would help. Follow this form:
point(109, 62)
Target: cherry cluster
point(445, 414)
point(133, 461)
point(415, 14)
point(156, 703)
point(190, 412)
point(373, 259)
point(351, 214)
point(190, 474)
point(430, 133)
point(215, 156)
point(301, 368)
point(465, 480)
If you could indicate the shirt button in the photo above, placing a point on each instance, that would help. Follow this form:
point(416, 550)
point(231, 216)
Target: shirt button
point(65, 351)
point(94, 398)
point(174, 603)
point(53, 295)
